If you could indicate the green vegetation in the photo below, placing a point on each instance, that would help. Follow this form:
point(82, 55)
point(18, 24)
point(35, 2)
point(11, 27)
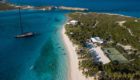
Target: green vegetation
point(134, 26)
point(125, 64)
point(107, 26)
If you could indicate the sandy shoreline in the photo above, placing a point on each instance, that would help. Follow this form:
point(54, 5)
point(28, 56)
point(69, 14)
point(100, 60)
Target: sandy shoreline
point(73, 73)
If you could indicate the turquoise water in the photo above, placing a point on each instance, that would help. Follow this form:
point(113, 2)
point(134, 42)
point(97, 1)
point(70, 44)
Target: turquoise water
point(37, 58)
point(43, 57)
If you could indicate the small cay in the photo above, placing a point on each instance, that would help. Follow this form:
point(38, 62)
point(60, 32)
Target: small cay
point(72, 8)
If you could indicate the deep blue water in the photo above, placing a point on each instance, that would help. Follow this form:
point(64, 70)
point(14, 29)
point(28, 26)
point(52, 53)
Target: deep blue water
point(42, 57)
point(127, 7)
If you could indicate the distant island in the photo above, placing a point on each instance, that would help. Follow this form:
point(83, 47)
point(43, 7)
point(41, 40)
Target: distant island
point(8, 6)
point(104, 46)
point(72, 8)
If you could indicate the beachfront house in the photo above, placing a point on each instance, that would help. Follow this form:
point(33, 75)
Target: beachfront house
point(97, 40)
point(73, 22)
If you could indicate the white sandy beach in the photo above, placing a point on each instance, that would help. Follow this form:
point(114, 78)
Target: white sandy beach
point(74, 72)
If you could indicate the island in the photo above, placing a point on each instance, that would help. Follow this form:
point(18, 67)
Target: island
point(8, 6)
point(102, 46)
point(72, 8)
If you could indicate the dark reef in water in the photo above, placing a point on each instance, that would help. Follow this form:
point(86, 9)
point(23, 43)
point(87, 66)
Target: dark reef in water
point(47, 61)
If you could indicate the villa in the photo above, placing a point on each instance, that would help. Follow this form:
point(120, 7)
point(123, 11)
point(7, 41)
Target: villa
point(97, 40)
point(73, 22)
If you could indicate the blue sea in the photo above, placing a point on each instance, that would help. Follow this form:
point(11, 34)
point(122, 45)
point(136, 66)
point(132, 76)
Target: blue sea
point(44, 57)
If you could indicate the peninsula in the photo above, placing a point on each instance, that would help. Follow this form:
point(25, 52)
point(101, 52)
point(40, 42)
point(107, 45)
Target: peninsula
point(102, 46)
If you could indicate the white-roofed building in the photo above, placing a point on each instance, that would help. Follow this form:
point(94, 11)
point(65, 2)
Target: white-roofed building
point(73, 22)
point(97, 40)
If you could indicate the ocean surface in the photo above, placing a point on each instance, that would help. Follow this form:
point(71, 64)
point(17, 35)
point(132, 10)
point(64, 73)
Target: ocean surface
point(41, 57)
point(44, 57)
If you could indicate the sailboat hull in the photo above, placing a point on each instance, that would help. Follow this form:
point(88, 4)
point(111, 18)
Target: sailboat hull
point(24, 35)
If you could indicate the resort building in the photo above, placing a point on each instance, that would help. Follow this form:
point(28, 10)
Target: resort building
point(97, 40)
point(73, 22)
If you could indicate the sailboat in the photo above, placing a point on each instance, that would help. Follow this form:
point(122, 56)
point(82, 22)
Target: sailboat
point(23, 34)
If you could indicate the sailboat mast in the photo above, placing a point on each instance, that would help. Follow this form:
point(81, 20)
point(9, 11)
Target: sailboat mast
point(21, 27)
